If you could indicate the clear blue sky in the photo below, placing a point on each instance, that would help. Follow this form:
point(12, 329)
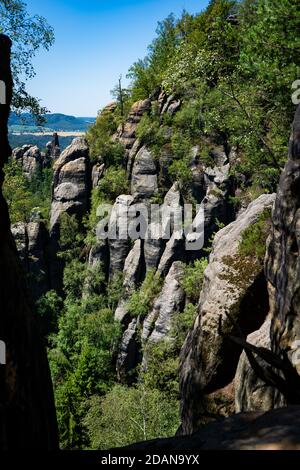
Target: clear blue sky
point(95, 42)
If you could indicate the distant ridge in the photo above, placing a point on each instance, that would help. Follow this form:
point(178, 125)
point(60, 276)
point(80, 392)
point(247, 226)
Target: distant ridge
point(54, 122)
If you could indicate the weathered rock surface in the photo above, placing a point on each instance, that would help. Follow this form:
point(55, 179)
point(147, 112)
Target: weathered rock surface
point(126, 134)
point(71, 182)
point(97, 173)
point(144, 175)
point(71, 192)
point(30, 158)
point(282, 260)
point(157, 326)
point(251, 393)
point(274, 430)
point(119, 246)
point(129, 354)
point(234, 285)
point(32, 244)
point(27, 413)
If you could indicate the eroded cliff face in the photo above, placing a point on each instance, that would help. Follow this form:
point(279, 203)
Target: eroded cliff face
point(233, 285)
point(27, 414)
point(283, 261)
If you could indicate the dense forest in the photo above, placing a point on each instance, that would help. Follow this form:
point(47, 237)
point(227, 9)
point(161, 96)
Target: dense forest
point(228, 71)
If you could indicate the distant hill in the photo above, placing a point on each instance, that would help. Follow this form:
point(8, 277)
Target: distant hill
point(54, 122)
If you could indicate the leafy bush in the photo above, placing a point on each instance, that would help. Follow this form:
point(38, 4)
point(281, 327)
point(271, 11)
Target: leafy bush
point(193, 279)
point(254, 238)
point(141, 301)
point(128, 415)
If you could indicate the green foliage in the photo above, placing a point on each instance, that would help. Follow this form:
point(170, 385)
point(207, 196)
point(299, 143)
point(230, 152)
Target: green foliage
point(141, 300)
point(193, 279)
point(162, 367)
point(49, 308)
point(23, 195)
point(70, 237)
point(40, 187)
point(113, 183)
point(17, 194)
point(253, 242)
point(82, 365)
point(99, 137)
point(147, 74)
point(127, 415)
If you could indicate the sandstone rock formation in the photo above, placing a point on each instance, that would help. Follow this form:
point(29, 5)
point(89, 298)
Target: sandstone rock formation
point(144, 175)
point(252, 393)
point(30, 158)
point(71, 192)
point(32, 244)
point(157, 326)
point(126, 133)
point(231, 285)
point(27, 413)
point(282, 260)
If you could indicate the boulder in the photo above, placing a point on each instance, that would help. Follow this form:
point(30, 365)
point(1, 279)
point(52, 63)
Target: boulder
point(234, 285)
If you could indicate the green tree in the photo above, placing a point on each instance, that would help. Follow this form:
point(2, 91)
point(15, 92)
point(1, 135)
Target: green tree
point(128, 415)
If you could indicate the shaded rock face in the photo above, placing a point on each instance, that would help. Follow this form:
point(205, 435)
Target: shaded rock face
point(119, 247)
point(27, 413)
point(234, 285)
point(71, 192)
point(282, 260)
point(274, 430)
point(129, 354)
point(32, 244)
point(251, 393)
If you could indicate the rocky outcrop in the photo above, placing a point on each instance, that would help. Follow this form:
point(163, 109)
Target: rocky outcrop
point(71, 192)
point(32, 244)
point(27, 413)
point(129, 354)
point(282, 260)
point(158, 325)
point(30, 158)
point(119, 243)
point(126, 133)
point(97, 174)
point(232, 285)
point(144, 175)
point(275, 430)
